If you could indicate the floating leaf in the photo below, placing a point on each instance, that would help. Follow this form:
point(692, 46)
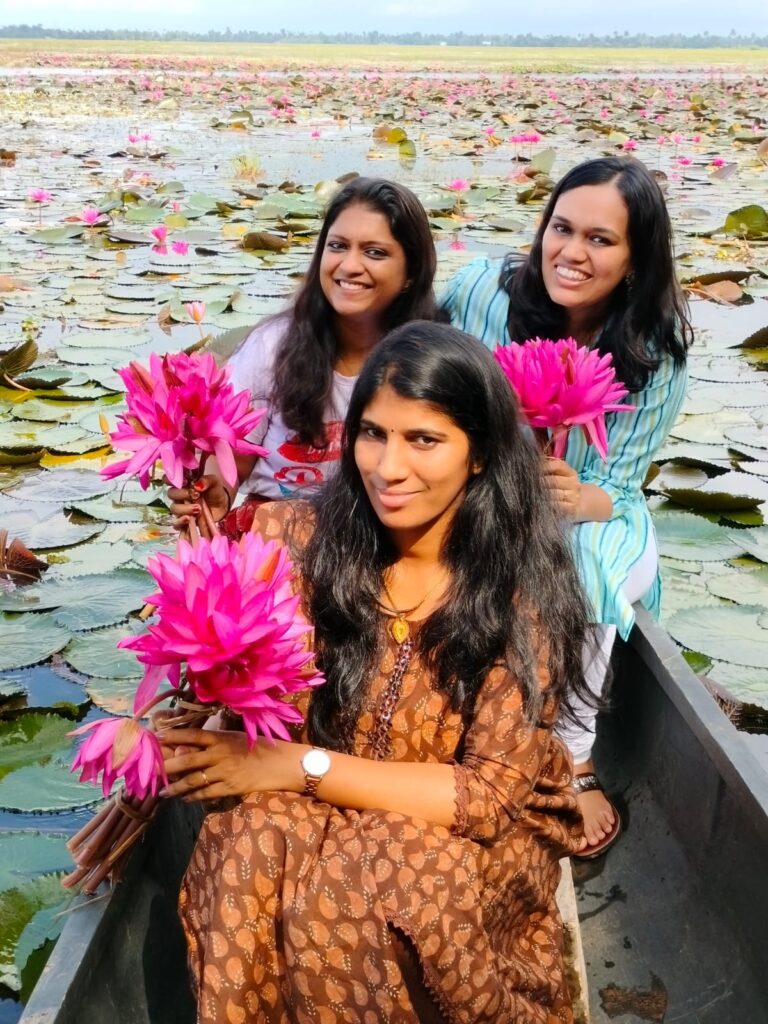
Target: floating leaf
point(730, 491)
point(754, 542)
point(264, 240)
point(747, 222)
point(742, 587)
point(62, 486)
point(58, 236)
point(97, 654)
point(688, 536)
point(29, 639)
point(728, 633)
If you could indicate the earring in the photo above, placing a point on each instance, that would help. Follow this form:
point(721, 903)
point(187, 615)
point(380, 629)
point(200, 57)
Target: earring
point(629, 280)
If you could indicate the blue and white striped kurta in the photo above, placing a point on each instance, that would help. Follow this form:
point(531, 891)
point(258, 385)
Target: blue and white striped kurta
point(605, 551)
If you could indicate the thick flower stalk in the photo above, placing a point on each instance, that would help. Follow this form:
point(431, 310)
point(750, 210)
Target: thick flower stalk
point(561, 385)
point(120, 748)
point(182, 406)
point(227, 613)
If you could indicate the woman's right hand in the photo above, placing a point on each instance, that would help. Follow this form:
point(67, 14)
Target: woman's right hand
point(185, 501)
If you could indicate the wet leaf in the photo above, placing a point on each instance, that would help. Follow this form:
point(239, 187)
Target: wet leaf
point(747, 222)
point(688, 536)
point(728, 633)
point(29, 639)
point(97, 654)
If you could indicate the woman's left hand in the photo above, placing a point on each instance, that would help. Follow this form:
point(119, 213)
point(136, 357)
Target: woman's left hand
point(206, 764)
point(564, 487)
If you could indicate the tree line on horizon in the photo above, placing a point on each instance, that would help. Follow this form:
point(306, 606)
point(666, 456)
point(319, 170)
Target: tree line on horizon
point(633, 40)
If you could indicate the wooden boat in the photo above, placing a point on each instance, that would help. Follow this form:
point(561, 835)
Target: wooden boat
point(674, 919)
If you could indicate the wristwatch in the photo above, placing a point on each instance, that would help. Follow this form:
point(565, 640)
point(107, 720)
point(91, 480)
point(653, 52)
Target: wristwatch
point(315, 765)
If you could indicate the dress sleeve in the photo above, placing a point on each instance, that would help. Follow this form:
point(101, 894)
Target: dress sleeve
point(502, 758)
point(635, 437)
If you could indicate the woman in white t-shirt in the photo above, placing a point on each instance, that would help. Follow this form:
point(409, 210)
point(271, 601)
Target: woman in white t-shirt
point(372, 270)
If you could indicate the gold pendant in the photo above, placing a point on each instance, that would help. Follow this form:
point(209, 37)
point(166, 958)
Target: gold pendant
point(399, 630)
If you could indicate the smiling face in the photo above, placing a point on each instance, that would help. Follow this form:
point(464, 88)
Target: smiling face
point(414, 462)
point(363, 267)
point(585, 250)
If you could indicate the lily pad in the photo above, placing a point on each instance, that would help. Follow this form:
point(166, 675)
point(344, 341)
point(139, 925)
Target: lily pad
point(728, 633)
point(754, 542)
point(29, 639)
point(84, 603)
point(732, 491)
point(62, 486)
point(741, 587)
point(88, 558)
point(742, 682)
point(691, 537)
point(97, 654)
point(41, 529)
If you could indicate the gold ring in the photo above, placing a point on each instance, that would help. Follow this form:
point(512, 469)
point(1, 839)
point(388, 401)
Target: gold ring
point(205, 778)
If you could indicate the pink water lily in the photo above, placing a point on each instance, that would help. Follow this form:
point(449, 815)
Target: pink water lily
point(180, 248)
point(182, 406)
point(196, 311)
point(561, 385)
point(458, 185)
point(39, 195)
point(120, 748)
point(160, 233)
point(90, 215)
point(227, 611)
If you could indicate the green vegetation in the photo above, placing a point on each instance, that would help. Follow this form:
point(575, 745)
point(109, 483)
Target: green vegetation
point(302, 55)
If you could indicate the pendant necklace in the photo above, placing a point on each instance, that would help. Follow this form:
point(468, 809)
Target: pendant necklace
point(399, 627)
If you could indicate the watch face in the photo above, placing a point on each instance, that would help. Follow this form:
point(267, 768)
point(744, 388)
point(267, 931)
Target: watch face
point(316, 762)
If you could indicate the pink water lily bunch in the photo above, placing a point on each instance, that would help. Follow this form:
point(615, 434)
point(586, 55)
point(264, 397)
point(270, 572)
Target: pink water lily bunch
point(182, 406)
point(227, 612)
point(120, 748)
point(561, 385)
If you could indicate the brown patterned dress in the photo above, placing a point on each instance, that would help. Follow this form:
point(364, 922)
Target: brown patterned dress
point(295, 910)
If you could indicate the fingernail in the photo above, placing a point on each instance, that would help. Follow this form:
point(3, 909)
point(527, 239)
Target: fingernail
point(196, 510)
point(199, 485)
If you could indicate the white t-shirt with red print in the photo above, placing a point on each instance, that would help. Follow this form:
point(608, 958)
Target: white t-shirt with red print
point(291, 468)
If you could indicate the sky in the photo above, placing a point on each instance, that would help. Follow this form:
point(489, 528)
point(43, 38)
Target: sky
point(502, 16)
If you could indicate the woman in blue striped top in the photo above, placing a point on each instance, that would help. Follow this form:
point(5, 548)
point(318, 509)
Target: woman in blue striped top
point(600, 270)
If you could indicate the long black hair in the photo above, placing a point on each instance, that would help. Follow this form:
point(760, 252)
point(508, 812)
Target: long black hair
point(513, 583)
point(303, 371)
point(647, 316)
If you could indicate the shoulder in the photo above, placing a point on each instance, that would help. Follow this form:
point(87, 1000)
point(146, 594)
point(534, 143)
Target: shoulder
point(482, 272)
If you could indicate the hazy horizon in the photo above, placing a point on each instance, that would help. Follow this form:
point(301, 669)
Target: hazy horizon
point(655, 17)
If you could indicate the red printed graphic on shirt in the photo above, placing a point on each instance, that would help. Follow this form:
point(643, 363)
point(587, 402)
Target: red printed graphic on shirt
point(295, 450)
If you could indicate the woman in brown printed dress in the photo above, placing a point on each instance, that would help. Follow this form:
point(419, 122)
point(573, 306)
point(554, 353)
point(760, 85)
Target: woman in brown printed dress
point(399, 861)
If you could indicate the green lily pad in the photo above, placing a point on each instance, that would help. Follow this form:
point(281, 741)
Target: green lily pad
point(41, 529)
point(677, 475)
point(97, 654)
point(115, 339)
point(22, 925)
point(115, 696)
point(747, 222)
point(58, 236)
point(29, 639)
point(62, 486)
point(31, 739)
point(754, 542)
point(688, 536)
point(756, 435)
point(728, 633)
point(88, 558)
point(87, 602)
point(732, 491)
point(742, 682)
point(750, 587)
